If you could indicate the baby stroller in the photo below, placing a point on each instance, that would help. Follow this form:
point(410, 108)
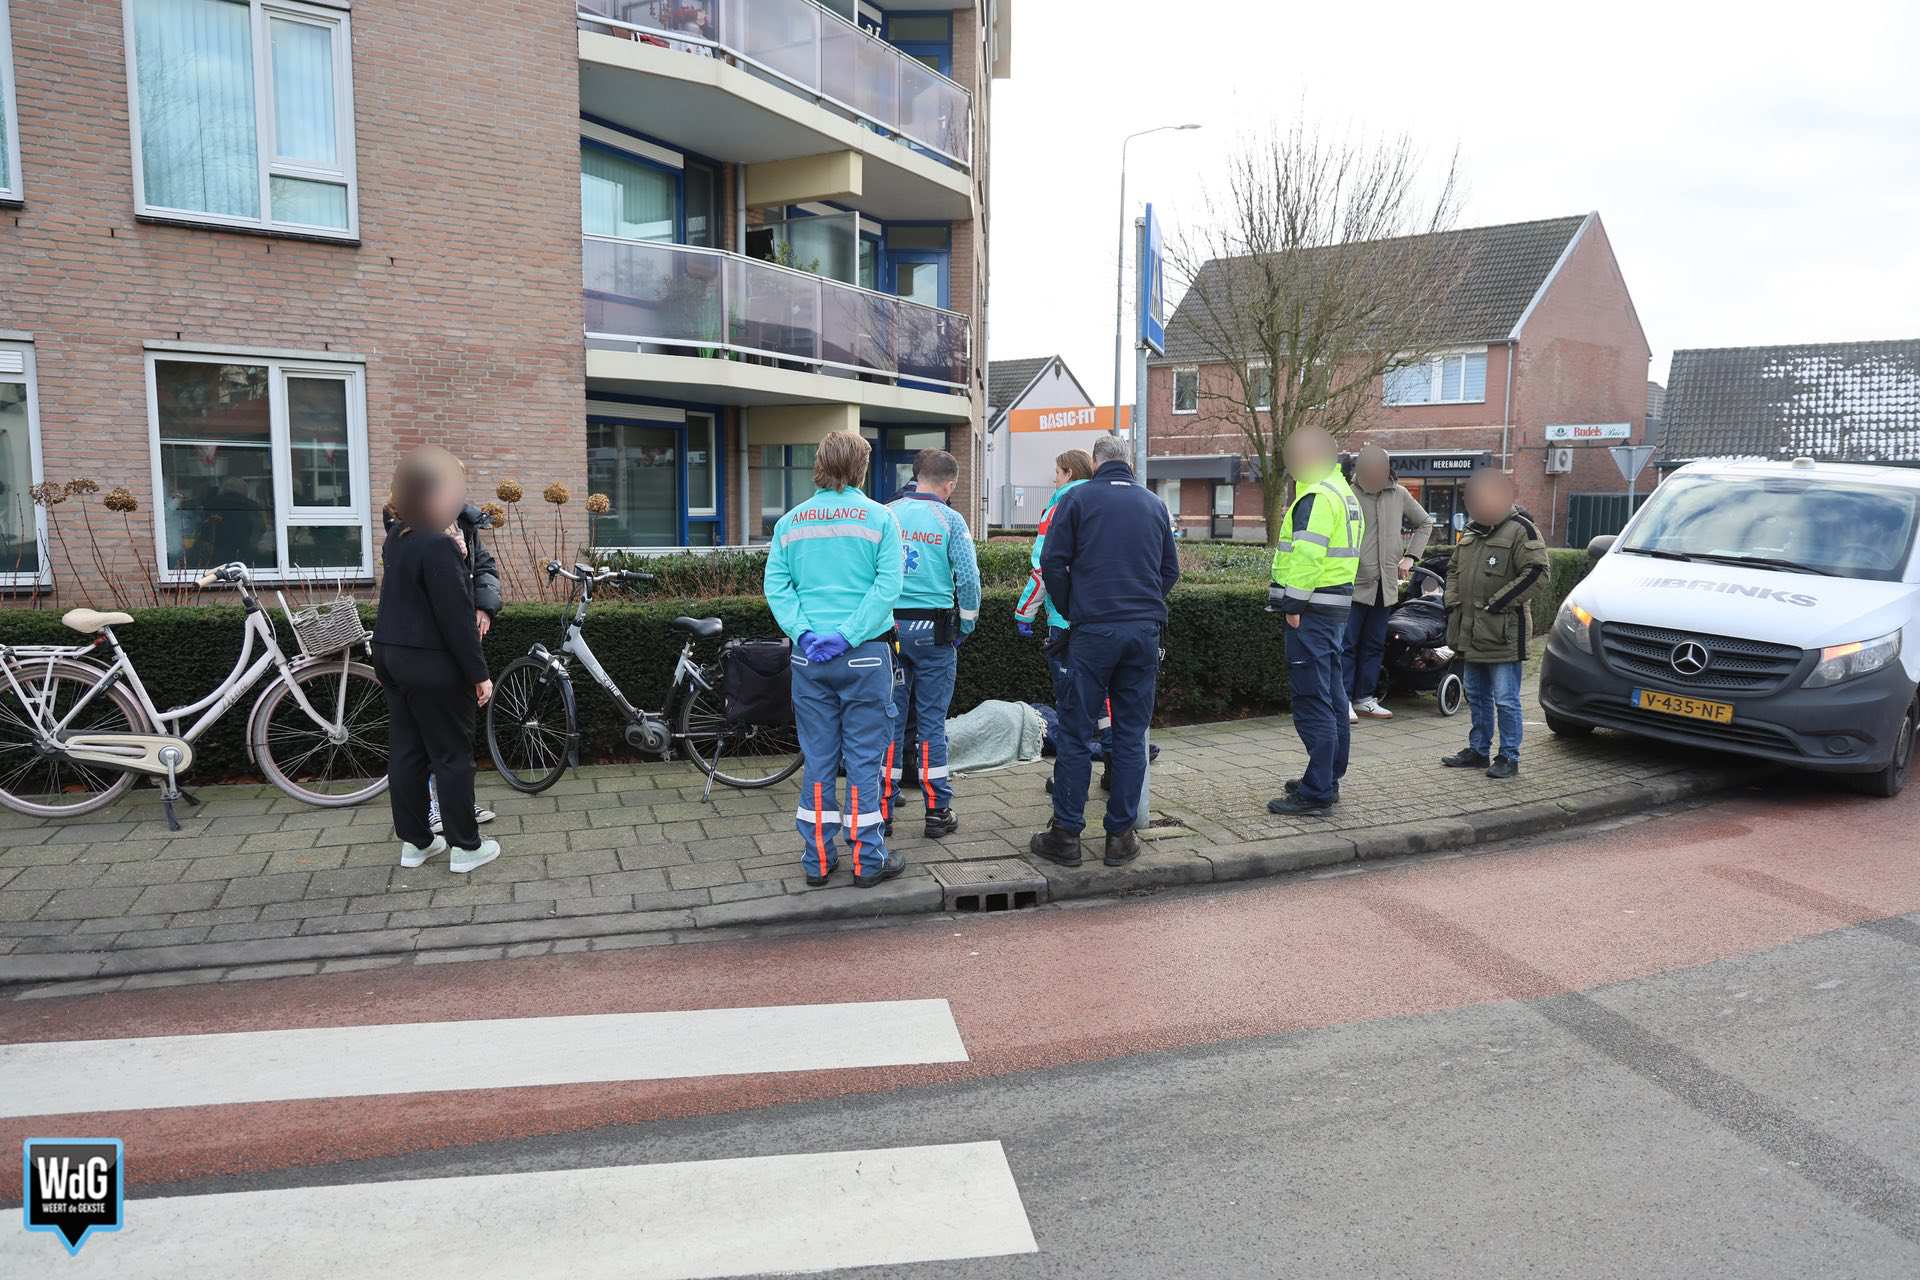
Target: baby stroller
point(1417, 658)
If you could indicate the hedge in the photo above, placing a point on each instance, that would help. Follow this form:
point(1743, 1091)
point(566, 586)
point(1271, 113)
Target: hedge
point(1225, 657)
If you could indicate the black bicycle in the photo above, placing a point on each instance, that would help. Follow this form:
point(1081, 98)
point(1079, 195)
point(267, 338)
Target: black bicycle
point(533, 722)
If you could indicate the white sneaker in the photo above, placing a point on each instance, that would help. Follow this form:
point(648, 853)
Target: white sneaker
point(1353, 717)
point(1371, 709)
point(412, 855)
point(461, 861)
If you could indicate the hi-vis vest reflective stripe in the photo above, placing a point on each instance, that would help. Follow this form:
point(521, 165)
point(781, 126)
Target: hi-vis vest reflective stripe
point(1326, 554)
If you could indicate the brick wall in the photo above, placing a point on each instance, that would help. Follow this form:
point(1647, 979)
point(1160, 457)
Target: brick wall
point(464, 294)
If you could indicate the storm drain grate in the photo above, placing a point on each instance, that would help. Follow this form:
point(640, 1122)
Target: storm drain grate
point(996, 884)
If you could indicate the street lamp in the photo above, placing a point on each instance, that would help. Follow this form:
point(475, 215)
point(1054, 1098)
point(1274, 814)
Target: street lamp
point(1120, 269)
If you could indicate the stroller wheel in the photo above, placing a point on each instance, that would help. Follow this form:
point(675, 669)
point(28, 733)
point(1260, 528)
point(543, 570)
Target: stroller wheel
point(1452, 693)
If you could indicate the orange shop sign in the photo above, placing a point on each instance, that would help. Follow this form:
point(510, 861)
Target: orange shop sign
point(1082, 418)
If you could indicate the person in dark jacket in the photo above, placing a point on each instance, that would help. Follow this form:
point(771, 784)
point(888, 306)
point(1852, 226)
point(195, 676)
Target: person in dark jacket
point(1109, 565)
point(485, 572)
point(426, 651)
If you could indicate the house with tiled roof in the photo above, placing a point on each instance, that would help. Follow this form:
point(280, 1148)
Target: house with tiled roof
point(1534, 360)
point(1020, 450)
point(1834, 401)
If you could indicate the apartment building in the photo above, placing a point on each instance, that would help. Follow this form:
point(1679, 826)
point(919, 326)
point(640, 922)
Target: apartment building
point(1539, 364)
point(253, 250)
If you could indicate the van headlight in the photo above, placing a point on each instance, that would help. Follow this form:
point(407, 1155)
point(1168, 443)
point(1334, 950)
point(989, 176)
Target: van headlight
point(1575, 626)
point(1846, 661)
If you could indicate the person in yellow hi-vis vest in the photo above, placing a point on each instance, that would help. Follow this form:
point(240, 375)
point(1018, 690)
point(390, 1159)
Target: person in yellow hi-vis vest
point(1313, 571)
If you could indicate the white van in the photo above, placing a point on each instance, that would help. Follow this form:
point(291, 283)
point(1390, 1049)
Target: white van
point(1754, 607)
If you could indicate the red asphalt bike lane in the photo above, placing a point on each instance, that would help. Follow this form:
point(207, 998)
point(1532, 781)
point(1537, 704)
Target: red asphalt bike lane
point(1045, 988)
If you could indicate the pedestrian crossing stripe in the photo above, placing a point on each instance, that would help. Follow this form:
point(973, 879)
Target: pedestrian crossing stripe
point(87, 1076)
point(675, 1221)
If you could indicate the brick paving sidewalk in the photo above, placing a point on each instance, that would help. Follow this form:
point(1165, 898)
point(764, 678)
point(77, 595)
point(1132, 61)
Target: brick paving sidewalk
point(258, 878)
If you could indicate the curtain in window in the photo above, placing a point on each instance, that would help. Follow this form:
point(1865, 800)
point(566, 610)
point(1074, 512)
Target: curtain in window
point(1476, 378)
point(305, 119)
point(19, 530)
point(625, 198)
point(198, 145)
point(1410, 384)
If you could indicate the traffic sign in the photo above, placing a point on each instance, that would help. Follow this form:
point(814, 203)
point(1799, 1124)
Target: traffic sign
point(1632, 459)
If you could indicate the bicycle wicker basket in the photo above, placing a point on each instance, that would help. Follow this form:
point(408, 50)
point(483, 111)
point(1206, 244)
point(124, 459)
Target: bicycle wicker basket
point(328, 627)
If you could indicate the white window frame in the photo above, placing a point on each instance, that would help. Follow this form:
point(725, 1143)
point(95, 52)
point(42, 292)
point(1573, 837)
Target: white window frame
point(286, 515)
point(29, 378)
point(1194, 373)
point(15, 190)
point(260, 13)
point(1253, 365)
point(1436, 371)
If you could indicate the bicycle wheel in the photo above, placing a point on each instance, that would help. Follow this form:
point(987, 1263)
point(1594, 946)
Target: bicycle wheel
point(44, 784)
point(334, 765)
point(750, 757)
point(531, 724)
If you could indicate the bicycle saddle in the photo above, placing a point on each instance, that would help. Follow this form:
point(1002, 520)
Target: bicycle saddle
point(704, 628)
point(92, 620)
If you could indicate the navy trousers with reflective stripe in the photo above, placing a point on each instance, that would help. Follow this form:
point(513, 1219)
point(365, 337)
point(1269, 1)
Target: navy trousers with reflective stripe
point(1316, 676)
point(844, 712)
point(930, 669)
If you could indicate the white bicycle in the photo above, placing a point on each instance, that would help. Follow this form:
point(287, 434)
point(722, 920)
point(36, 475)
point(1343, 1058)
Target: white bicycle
point(75, 730)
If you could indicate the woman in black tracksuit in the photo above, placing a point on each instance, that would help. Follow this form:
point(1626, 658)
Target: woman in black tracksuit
point(426, 650)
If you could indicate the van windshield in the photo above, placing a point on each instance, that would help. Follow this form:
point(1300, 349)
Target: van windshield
point(1801, 525)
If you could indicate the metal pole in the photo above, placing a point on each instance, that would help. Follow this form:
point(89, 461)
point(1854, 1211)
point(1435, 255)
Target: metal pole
point(1145, 810)
point(1120, 263)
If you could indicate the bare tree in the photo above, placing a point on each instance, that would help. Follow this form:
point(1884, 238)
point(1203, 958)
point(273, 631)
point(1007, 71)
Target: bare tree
point(1319, 265)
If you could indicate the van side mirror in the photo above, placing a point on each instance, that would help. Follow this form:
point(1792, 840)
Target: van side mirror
point(1601, 545)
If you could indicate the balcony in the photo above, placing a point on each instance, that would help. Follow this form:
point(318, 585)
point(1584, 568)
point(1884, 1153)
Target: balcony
point(810, 51)
point(744, 330)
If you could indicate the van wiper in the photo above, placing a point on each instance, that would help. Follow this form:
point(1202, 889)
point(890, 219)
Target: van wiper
point(1765, 562)
point(1657, 553)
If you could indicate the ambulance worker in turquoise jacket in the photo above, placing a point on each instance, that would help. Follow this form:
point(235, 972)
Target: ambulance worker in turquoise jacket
point(833, 579)
point(939, 606)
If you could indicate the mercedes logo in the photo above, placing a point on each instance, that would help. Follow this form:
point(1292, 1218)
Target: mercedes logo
point(1689, 658)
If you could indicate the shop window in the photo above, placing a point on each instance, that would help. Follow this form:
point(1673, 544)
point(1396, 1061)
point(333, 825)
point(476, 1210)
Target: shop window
point(261, 461)
point(243, 113)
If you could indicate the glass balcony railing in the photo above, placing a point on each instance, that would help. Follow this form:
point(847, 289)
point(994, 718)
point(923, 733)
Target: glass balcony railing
point(693, 301)
point(813, 51)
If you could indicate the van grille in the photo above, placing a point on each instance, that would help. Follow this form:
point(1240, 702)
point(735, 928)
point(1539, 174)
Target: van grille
point(1733, 666)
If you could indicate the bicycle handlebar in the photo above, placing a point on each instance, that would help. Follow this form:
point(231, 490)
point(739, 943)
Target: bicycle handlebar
point(233, 571)
point(587, 573)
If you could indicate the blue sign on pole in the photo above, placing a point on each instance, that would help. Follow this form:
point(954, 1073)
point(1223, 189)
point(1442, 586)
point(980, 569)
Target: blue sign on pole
point(1152, 303)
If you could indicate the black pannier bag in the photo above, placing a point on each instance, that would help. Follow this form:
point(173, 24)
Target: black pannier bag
point(757, 679)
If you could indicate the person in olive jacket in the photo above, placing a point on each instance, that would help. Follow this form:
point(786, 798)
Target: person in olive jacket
point(1498, 564)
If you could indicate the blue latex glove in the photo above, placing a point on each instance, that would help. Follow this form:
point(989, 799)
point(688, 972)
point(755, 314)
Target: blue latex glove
point(805, 644)
point(1024, 628)
point(961, 638)
point(827, 648)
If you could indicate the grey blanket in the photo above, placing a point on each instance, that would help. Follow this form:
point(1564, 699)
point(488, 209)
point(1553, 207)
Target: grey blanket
point(994, 735)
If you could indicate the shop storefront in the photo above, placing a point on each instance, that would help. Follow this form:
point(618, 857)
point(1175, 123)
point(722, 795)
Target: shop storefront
point(1437, 479)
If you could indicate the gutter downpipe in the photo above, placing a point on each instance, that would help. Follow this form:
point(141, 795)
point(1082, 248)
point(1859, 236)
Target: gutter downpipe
point(740, 247)
point(1506, 409)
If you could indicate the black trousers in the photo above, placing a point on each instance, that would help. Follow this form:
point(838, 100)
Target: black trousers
point(431, 712)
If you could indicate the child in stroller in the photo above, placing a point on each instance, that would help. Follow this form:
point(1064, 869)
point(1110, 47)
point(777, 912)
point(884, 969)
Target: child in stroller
point(1417, 658)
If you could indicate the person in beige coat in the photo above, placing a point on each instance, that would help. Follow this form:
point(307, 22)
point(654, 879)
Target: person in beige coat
point(1397, 531)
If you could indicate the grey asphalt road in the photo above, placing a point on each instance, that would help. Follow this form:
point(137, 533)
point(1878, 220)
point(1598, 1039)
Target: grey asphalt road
point(1749, 1118)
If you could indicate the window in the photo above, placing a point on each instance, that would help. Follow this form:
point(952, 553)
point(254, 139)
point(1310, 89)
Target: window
point(262, 461)
point(243, 114)
point(1260, 384)
point(20, 520)
point(786, 481)
point(10, 185)
point(660, 474)
point(626, 197)
point(703, 205)
point(1454, 378)
point(1186, 390)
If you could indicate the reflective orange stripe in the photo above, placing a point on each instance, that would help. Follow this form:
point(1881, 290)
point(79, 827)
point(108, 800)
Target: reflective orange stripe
point(926, 783)
point(886, 784)
point(819, 829)
point(853, 793)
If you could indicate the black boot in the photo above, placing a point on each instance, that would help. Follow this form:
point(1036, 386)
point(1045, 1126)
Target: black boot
point(895, 865)
point(1121, 849)
point(941, 823)
point(1465, 758)
point(1503, 767)
point(1298, 806)
point(1060, 847)
point(1106, 777)
point(1293, 789)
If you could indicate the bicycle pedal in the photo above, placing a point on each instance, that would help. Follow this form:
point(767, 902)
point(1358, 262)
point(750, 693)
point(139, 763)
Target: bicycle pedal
point(173, 822)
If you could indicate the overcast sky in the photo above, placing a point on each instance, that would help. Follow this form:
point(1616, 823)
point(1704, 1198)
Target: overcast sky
point(1757, 166)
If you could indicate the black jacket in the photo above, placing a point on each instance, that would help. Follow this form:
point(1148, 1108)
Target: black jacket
point(480, 561)
point(1109, 554)
point(426, 599)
